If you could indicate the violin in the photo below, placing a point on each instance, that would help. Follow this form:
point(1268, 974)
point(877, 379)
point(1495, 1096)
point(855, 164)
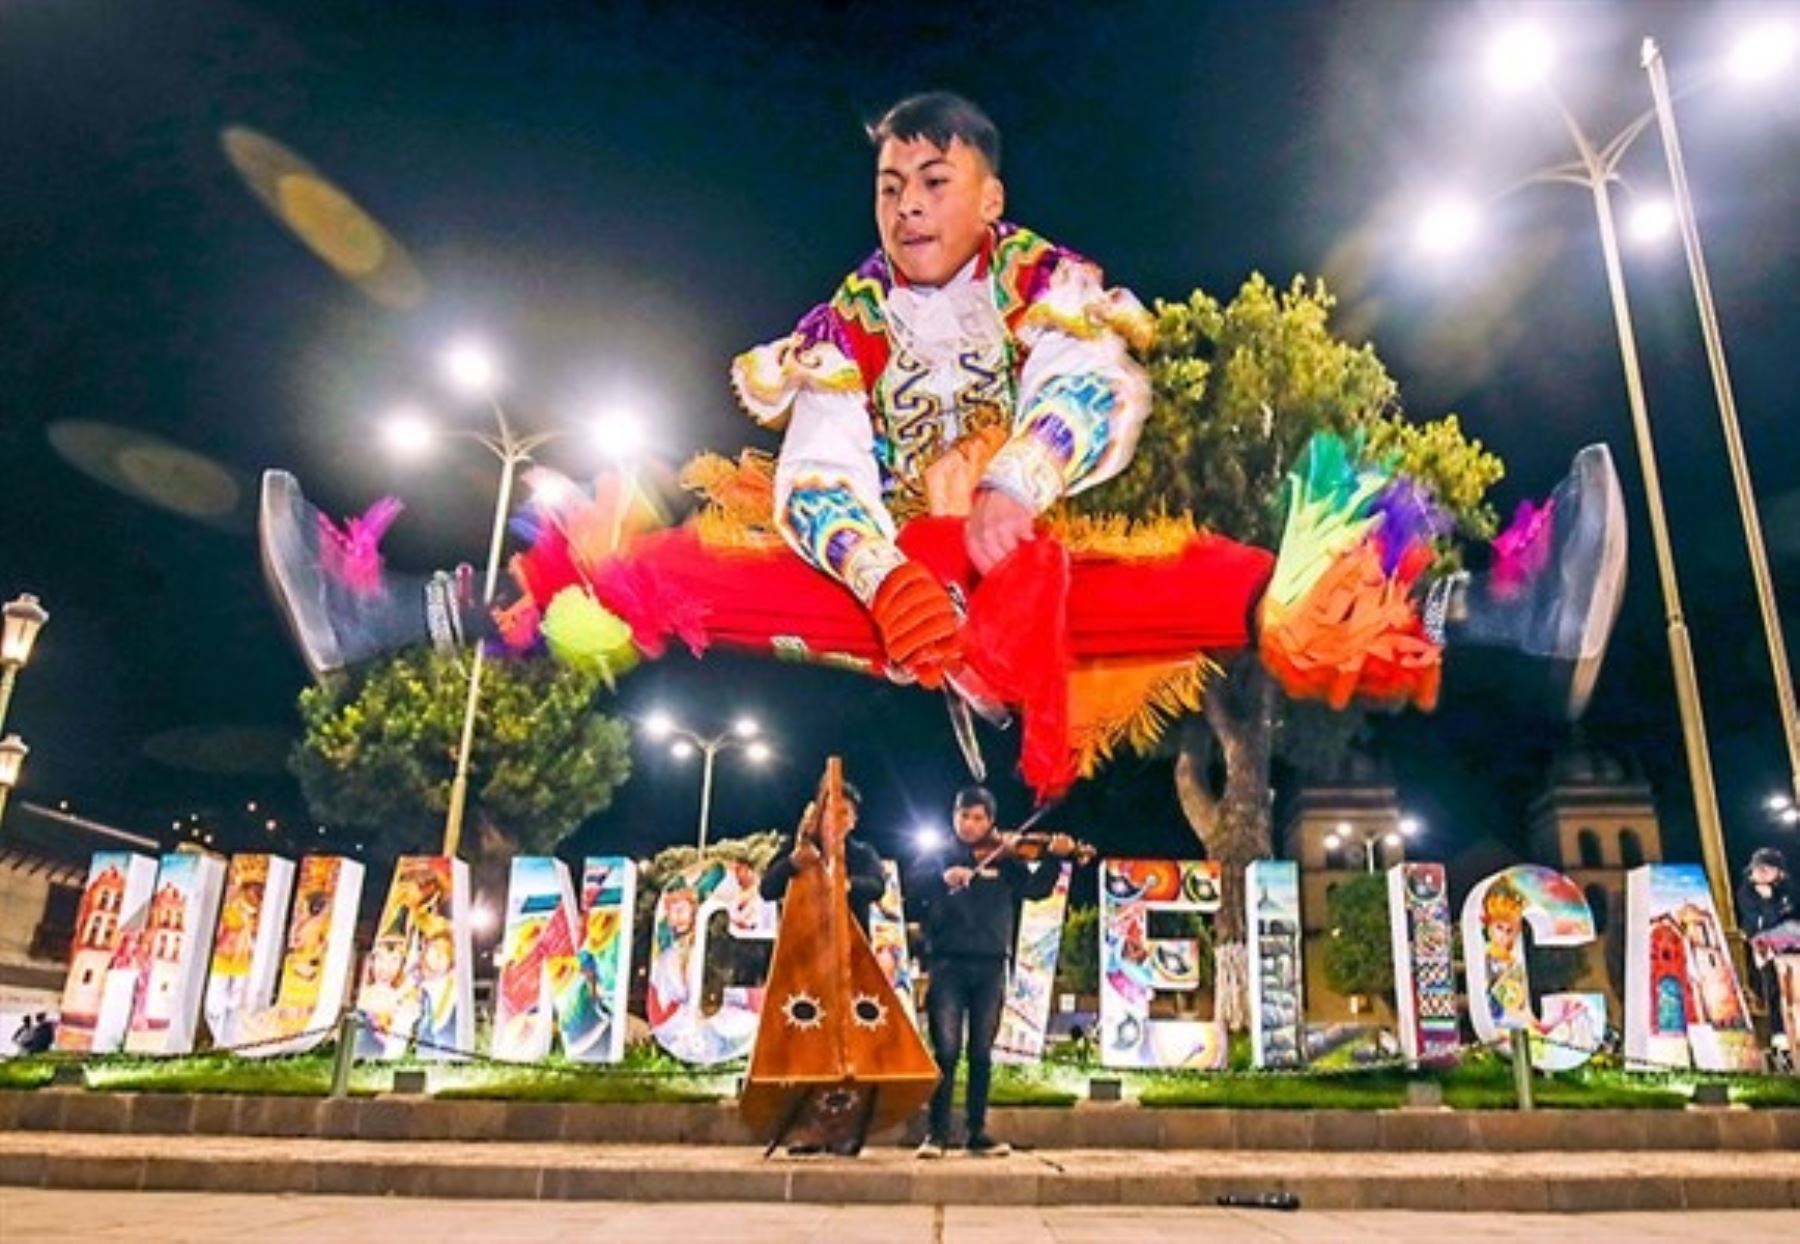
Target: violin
point(1030, 846)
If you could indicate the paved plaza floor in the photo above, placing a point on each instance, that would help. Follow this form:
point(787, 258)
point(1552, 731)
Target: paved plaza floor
point(34, 1214)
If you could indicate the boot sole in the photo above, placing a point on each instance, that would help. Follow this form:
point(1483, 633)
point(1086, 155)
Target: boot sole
point(1602, 609)
point(280, 545)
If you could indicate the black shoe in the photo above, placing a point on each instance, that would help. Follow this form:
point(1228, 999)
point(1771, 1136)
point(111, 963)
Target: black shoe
point(341, 606)
point(981, 1145)
point(1558, 577)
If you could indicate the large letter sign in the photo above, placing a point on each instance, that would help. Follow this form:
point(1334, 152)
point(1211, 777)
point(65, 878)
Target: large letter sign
point(1272, 916)
point(176, 940)
point(1025, 1017)
point(1134, 967)
point(1681, 989)
point(678, 961)
point(112, 912)
point(315, 973)
point(417, 981)
point(887, 938)
point(565, 968)
point(1494, 917)
point(246, 953)
point(1424, 975)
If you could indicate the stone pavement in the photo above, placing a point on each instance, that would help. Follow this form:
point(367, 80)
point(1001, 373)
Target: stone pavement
point(214, 1218)
point(562, 1171)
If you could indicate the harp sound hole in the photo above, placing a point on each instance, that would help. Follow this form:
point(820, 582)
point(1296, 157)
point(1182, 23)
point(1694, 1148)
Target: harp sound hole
point(868, 1011)
point(804, 1010)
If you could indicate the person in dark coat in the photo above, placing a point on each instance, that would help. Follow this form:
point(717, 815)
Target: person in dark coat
point(1764, 900)
point(867, 881)
point(968, 895)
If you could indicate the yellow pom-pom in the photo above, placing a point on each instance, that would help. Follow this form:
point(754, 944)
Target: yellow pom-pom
point(583, 635)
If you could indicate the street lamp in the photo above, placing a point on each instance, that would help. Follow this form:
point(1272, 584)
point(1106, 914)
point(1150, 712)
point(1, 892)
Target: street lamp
point(1594, 169)
point(744, 735)
point(1369, 838)
point(472, 371)
point(12, 758)
point(24, 618)
point(1760, 54)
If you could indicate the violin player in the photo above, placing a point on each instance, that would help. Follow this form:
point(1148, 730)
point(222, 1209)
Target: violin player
point(968, 895)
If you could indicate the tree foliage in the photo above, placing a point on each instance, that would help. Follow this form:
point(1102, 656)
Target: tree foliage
point(379, 752)
point(1078, 962)
point(1359, 957)
point(1237, 389)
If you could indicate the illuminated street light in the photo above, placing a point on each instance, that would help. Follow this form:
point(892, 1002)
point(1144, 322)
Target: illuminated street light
point(1763, 53)
point(407, 432)
point(12, 759)
point(471, 369)
point(619, 434)
point(1652, 220)
point(1595, 169)
point(659, 725)
point(1369, 838)
point(24, 618)
point(1520, 58)
point(1448, 225)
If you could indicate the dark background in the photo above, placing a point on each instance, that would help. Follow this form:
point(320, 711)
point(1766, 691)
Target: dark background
point(620, 197)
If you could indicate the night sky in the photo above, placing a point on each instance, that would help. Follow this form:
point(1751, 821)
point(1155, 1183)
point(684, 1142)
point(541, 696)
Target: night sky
point(620, 197)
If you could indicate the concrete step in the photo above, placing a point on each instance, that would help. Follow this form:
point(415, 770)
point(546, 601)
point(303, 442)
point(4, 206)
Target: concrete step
point(1591, 1181)
point(1084, 1126)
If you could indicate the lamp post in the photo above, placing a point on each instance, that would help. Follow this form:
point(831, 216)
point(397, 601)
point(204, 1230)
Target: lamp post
point(20, 621)
point(1759, 45)
point(23, 619)
point(1370, 838)
point(1523, 60)
point(473, 373)
point(12, 758)
point(745, 735)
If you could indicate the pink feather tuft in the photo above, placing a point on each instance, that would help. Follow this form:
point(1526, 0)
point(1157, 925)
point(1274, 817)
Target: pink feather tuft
point(351, 554)
point(1523, 549)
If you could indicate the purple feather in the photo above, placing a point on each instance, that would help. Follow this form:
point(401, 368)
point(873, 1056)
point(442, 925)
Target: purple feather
point(1410, 516)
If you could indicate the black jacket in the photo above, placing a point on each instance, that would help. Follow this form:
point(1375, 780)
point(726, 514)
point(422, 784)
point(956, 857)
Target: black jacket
point(867, 882)
point(1757, 914)
point(975, 922)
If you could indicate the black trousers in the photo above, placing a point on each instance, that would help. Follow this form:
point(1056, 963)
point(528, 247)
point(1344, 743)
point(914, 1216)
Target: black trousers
point(966, 994)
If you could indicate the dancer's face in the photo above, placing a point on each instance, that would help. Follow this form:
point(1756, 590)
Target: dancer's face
point(933, 206)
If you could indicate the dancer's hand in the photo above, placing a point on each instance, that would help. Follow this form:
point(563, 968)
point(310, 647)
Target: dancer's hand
point(998, 524)
point(921, 630)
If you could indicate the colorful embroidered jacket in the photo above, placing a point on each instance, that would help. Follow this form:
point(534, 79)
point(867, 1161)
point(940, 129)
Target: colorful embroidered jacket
point(887, 381)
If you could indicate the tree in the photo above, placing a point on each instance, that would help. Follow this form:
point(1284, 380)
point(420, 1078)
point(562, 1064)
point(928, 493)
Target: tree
point(1359, 957)
point(1237, 390)
point(1078, 962)
point(379, 754)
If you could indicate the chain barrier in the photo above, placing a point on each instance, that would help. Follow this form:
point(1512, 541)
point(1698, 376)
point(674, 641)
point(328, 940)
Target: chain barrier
point(1610, 1046)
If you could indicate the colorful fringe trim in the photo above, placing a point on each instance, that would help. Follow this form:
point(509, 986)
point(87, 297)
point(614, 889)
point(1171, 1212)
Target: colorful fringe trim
point(1339, 622)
